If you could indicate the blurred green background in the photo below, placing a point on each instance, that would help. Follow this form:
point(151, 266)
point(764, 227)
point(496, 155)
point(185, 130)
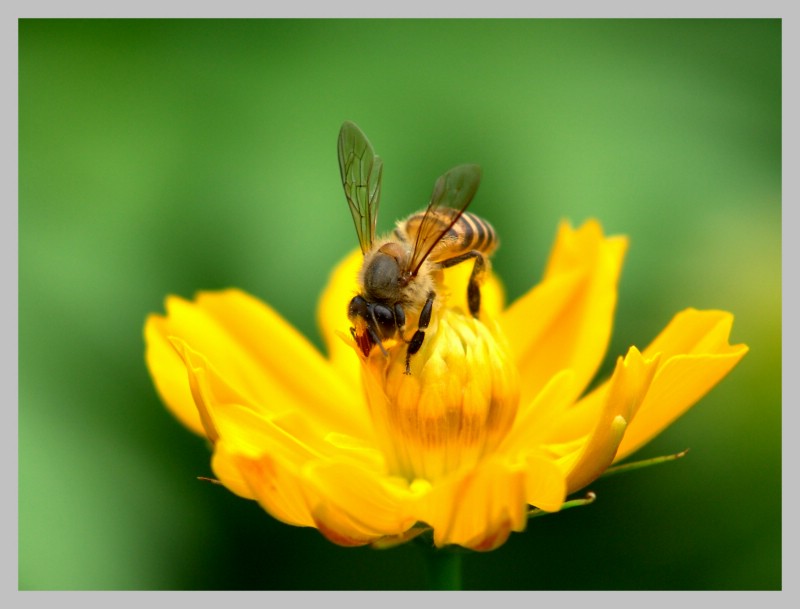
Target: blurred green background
point(164, 156)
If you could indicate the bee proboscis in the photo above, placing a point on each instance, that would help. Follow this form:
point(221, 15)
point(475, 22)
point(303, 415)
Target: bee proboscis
point(397, 277)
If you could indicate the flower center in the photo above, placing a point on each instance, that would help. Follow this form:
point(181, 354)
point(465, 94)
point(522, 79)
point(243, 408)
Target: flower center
point(456, 405)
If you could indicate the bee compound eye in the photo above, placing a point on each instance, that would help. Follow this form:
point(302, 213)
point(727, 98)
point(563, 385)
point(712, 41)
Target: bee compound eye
point(357, 308)
point(384, 319)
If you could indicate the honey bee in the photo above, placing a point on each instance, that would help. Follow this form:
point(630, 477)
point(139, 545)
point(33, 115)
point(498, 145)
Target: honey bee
point(398, 278)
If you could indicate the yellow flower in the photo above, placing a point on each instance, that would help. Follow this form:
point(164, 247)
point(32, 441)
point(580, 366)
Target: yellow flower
point(493, 418)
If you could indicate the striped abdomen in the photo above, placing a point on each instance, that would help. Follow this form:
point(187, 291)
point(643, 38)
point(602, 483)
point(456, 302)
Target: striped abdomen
point(468, 233)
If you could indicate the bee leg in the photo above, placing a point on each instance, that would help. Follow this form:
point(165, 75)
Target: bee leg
point(473, 288)
point(416, 341)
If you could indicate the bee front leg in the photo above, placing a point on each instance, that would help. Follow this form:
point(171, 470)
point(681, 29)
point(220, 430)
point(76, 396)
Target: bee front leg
point(415, 343)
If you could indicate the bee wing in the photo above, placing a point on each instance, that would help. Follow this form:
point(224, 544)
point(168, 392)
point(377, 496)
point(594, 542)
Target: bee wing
point(455, 190)
point(362, 171)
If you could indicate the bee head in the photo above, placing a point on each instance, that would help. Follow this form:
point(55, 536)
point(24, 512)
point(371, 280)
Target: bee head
point(372, 322)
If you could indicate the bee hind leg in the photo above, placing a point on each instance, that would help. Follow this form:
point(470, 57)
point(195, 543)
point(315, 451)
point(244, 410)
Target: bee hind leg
point(473, 288)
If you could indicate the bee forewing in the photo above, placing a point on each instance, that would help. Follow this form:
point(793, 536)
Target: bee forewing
point(362, 171)
point(454, 189)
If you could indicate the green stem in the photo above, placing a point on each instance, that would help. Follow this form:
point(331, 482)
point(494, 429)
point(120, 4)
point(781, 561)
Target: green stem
point(444, 568)
point(627, 467)
point(588, 499)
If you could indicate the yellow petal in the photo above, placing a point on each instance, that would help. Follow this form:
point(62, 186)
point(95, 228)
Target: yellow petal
point(332, 317)
point(630, 382)
point(189, 322)
point(535, 421)
point(169, 373)
point(545, 484)
point(392, 541)
point(493, 296)
point(224, 464)
point(249, 430)
point(478, 508)
point(259, 457)
point(229, 463)
point(198, 387)
point(295, 468)
point(565, 322)
point(349, 505)
point(356, 504)
point(695, 356)
point(256, 351)
point(287, 359)
point(278, 488)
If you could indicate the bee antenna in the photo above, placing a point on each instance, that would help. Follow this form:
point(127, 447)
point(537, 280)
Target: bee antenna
point(373, 336)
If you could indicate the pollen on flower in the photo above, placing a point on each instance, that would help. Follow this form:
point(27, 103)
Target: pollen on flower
point(456, 405)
